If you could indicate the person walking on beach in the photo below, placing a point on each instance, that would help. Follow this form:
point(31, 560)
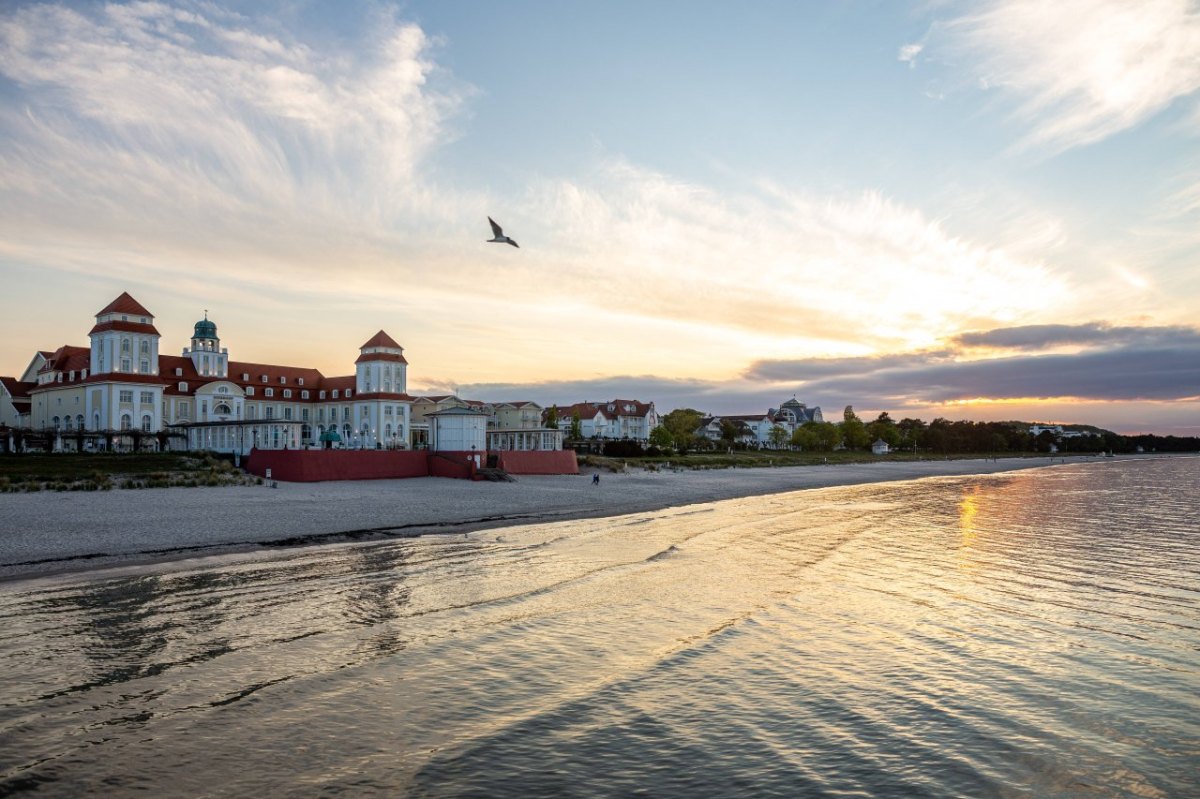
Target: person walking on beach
point(596, 479)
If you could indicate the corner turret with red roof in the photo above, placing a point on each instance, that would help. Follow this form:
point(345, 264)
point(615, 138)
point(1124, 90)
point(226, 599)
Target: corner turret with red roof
point(124, 339)
point(381, 367)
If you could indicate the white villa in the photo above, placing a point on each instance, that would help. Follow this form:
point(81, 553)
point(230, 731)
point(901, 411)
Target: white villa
point(756, 429)
point(617, 419)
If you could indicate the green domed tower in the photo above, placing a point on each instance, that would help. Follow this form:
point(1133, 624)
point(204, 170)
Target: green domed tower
point(206, 352)
point(205, 330)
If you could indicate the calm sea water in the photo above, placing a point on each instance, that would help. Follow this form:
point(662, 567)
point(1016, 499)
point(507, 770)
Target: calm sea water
point(1029, 634)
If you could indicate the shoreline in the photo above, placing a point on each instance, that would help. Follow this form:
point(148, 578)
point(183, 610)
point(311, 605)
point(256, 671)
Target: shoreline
point(56, 534)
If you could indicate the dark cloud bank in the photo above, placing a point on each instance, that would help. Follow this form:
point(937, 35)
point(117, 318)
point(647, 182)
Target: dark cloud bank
point(1116, 364)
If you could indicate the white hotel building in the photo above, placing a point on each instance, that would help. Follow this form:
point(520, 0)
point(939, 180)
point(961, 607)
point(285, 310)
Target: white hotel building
point(122, 383)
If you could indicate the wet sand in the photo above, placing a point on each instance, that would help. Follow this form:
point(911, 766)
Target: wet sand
point(51, 533)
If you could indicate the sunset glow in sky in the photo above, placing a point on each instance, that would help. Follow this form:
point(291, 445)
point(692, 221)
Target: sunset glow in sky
point(983, 210)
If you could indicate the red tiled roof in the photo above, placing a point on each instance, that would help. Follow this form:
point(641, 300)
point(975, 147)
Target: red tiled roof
point(312, 377)
point(16, 389)
point(381, 356)
point(381, 339)
point(128, 327)
point(126, 305)
point(67, 358)
point(639, 408)
point(586, 410)
point(338, 383)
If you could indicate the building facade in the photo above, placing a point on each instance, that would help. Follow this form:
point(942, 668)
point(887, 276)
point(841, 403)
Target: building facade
point(121, 390)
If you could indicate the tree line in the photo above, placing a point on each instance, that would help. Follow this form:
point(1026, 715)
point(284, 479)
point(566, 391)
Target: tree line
point(679, 431)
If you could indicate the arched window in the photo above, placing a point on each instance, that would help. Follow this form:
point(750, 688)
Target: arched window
point(145, 349)
point(305, 433)
point(55, 422)
point(67, 422)
point(126, 421)
point(79, 421)
point(222, 409)
point(124, 346)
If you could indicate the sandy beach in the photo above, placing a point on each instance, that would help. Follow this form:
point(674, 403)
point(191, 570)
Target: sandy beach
point(51, 533)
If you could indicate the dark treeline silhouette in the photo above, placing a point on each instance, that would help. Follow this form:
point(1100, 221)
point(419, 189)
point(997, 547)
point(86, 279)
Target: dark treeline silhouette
point(944, 436)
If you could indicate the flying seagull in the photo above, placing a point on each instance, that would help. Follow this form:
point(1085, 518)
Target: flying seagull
point(500, 237)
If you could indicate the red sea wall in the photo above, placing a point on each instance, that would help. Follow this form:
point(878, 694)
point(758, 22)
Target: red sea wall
point(315, 465)
point(459, 465)
point(539, 462)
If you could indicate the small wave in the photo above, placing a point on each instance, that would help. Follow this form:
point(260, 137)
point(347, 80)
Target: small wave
point(666, 553)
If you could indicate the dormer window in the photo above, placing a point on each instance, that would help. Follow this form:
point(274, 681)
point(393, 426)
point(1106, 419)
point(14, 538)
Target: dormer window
point(287, 393)
point(270, 392)
point(282, 380)
point(264, 378)
point(145, 321)
point(304, 395)
point(335, 393)
point(245, 376)
point(183, 387)
point(179, 371)
point(249, 391)
point(349, 393)
point(299, 381)
point(321, 395)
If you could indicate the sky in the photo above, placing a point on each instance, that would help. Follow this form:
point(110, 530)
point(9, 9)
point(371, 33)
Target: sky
point(982, 210)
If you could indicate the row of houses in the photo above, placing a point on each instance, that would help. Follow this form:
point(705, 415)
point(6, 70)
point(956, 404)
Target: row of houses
point(121, 391)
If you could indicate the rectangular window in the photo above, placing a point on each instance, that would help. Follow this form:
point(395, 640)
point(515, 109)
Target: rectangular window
point(299, 381)
point(346, 414)
point(249, 391)
point(335, 393)
point(304, 394)
point(287, 412)
point(304, 414)
point(270, 392)
point(270, 412)
point(145, 367)
point(204, 407)
point(185, 410)
point(287, 393)
point(126, 366)
point(250, 412)
point(321, 395)
point(349, 393)
point(282, 380)
point(127, 395)
point(147, 397)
